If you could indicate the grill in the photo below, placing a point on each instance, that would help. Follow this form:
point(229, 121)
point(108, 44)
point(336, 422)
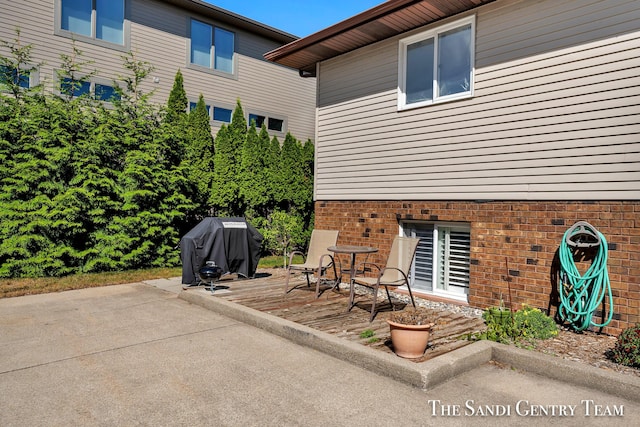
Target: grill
point(209, 274)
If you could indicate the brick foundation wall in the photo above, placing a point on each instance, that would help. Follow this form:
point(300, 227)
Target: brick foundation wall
point(524, 235)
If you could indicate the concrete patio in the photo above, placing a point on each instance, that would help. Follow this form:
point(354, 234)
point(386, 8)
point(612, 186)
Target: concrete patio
point(323, 324)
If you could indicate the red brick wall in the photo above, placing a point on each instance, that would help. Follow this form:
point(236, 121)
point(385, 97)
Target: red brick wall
point(526, 235)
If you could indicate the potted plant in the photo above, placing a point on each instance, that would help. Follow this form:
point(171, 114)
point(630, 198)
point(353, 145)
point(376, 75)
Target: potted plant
point(410, 331)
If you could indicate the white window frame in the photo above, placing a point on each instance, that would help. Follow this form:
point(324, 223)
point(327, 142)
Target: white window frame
point(125, 46)
point(434, 34)
point(211, 68)
point(405, 229)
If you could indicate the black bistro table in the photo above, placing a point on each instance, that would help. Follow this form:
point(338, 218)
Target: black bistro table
point(353, 250)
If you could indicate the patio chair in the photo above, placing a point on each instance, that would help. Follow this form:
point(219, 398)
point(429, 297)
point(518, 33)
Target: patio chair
point(394, 274)
point(317, 261)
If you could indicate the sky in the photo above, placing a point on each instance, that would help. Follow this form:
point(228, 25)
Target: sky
point(301, 17)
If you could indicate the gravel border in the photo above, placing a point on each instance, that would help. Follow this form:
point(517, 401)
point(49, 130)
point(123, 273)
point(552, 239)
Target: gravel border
point(465, 310)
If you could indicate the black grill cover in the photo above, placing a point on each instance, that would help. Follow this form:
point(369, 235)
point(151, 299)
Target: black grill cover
point(232, 243)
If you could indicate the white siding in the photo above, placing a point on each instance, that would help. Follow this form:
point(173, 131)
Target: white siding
point(555, 113)
point(159, 35)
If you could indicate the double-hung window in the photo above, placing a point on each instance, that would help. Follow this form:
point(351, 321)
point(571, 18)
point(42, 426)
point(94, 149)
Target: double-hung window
point(212, 47)
point(441, 265)
point(102, 20)
point(437, 65)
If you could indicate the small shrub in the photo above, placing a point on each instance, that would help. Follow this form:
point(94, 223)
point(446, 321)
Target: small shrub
point(520, 328)
point(499, 325)
point(627, 349)
point(534, 324)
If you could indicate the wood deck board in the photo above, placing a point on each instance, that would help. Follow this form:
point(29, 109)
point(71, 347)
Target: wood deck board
point(329, 314)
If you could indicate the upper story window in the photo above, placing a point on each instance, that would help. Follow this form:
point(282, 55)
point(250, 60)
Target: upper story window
point(437, 65)
point(93, 20)
point(212, 47)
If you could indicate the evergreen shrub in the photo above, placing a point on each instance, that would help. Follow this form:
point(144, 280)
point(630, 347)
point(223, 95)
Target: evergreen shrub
point(627, 349)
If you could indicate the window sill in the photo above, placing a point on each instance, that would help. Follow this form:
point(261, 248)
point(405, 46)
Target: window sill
point(443, 100)
point(232, 76)
point(97, 42)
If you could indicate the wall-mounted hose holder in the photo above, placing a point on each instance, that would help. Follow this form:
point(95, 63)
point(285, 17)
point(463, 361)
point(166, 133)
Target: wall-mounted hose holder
point(582, 294)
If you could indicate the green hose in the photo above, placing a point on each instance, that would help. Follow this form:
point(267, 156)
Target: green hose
point(581, 295)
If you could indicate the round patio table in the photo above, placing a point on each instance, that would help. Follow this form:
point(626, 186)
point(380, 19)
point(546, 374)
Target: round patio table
point(353, 250)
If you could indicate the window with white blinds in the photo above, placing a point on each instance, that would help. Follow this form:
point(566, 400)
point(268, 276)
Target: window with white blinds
point(442, 258)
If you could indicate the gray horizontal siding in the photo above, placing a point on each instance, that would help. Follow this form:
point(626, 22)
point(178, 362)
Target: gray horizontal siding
point(159, 36)
point(554, 114)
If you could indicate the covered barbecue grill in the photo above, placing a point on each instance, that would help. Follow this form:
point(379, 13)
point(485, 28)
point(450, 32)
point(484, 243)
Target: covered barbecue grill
point(232, 243)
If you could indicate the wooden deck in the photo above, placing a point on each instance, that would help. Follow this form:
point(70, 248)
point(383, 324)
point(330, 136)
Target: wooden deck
point(329, 312)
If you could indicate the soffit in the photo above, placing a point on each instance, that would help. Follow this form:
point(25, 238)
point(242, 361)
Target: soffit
point(391, 18)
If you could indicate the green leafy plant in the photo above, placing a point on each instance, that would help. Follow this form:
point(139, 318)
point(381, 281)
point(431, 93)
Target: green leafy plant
point(627, 349)
point(521, 328)
point(367, 333)
point(370, 334)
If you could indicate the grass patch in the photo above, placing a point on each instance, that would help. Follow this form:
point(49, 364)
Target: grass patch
point(42, 285)
point(276, 261)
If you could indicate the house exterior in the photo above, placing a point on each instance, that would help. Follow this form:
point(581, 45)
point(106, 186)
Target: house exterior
point(219, 53)
point(487, 129)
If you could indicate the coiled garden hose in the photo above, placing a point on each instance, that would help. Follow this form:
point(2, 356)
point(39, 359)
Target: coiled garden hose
point(581, 295)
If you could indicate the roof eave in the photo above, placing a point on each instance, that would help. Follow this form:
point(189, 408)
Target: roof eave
point(233, 19)
point(304, 53)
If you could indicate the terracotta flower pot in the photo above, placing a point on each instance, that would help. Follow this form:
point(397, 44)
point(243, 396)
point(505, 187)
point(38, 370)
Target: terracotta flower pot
point(409, 341)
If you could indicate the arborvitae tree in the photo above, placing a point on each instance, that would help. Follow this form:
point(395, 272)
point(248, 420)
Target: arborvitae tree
point(307, 208)
point(238, 126)
point(177, 103)
point(200, 154)
point(253, 188)
point(85, 187)
point(272, 178)
point(291, 178)
point(225, 194)
point(308, 159)
point(26, 198)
